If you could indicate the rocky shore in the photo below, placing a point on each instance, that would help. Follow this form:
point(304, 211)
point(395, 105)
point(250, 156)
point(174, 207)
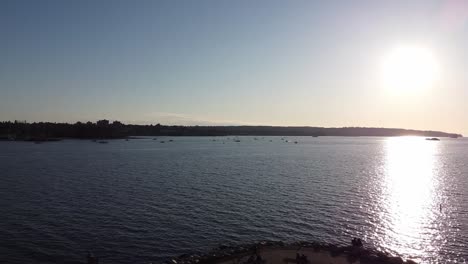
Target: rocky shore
point(269, 252)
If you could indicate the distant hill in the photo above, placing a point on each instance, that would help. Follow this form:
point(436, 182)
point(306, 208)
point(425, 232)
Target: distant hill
point(300, 131)
point(105, 129)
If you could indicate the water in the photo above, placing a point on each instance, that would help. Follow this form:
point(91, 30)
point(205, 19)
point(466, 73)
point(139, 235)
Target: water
point(142, 201)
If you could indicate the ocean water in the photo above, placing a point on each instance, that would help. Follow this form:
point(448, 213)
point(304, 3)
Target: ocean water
point(142, 201)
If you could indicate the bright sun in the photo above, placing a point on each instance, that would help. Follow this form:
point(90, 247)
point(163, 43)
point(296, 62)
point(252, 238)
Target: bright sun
point(407, 69)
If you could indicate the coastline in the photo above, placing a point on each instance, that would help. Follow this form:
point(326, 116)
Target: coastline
point(277, 252)
point(104, 129)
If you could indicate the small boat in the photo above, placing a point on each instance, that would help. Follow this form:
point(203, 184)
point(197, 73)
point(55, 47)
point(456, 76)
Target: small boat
point(433, 139)
point(102, 142)
point(237, 140)
point(170, 140)
point(161, 141)
point(155, 139)
point(295, 142)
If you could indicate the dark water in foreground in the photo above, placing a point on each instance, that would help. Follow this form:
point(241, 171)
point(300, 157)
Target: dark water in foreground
point(142, 201)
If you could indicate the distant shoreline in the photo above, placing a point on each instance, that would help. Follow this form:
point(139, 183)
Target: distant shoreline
point(103, 129)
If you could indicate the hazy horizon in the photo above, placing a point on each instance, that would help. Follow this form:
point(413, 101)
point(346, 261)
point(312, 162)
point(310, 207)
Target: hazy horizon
point(277, 63)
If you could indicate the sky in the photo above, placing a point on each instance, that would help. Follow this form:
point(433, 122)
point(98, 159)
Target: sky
point(288, 63)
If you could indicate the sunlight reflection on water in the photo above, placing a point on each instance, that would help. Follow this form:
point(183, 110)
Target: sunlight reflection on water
point(410, 195)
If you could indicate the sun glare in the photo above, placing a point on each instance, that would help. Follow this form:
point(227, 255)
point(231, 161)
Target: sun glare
point(411, 189)
point(407, 69)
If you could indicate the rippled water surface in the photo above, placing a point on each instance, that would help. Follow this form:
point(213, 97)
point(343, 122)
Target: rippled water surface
point(142, 201)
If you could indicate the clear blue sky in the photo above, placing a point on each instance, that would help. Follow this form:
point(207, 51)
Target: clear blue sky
point(312, 63)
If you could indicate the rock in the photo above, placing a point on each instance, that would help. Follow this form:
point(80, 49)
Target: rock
point(394, 260)
point(353, 254)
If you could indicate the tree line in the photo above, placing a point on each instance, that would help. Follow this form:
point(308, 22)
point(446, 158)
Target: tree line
point(21, 130)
